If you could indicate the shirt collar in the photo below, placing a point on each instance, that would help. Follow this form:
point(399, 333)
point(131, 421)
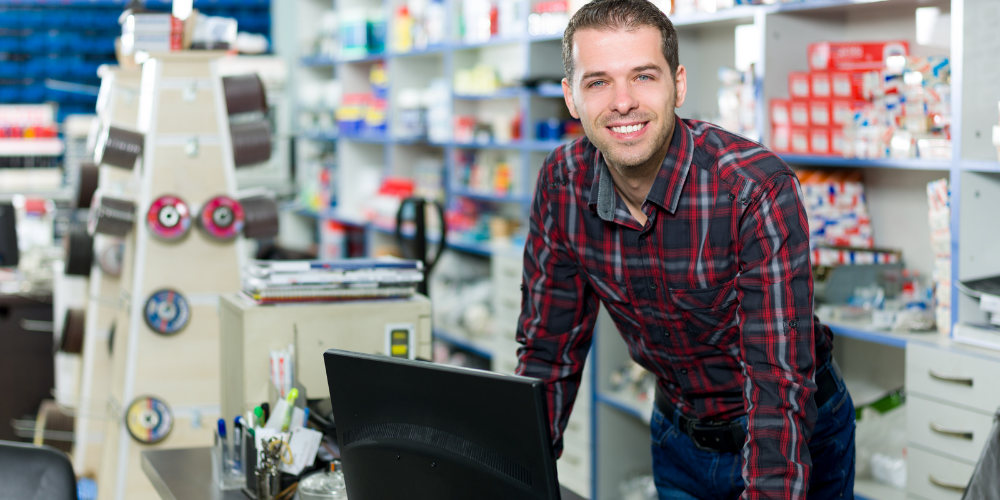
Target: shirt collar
point(669, 183)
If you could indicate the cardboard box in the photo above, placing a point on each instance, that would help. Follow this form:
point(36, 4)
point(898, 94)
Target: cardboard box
point(820, 85)
point(854, 56)
point(780, 116)
point(838, 143)
point(819, 113)
point(798, 85)
point(819, 141)
point(799, 140)
point(798, 113)
point(780, 139)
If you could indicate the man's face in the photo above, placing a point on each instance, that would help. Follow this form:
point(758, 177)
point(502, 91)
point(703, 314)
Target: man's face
point(624, 95)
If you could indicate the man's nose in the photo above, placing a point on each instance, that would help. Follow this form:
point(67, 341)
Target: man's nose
point(624, 100)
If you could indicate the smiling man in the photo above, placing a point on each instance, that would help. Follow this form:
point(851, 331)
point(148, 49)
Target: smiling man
point(696, 242)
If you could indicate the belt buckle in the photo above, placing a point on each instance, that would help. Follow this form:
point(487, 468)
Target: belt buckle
point(716, 437)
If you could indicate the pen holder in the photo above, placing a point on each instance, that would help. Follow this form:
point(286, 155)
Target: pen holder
point(225, 472)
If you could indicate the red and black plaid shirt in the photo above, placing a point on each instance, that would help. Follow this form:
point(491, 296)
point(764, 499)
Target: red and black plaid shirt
point(713, 295)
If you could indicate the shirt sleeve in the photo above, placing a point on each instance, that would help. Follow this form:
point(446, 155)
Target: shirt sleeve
point(777, 343)
point(558, 309)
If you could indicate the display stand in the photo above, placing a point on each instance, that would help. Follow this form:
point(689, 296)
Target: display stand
point(164, 386)
point(118, 105)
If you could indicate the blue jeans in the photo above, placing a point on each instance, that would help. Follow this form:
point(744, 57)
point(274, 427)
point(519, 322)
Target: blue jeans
point(682, 471)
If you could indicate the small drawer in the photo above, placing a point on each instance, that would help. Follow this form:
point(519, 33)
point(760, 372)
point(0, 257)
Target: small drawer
point(950, 430)
point(934, 477)
point(952, 376)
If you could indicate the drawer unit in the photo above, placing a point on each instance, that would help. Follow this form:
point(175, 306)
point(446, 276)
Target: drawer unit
point(934, 477)
point(948, 429)
point(953, 376)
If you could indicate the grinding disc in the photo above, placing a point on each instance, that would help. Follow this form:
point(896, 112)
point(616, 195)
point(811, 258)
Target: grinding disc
point(72, 331)
point(78, 245)
point(86, 184)
point(251, 142)
point(148, 420)
point(168, 218)
point(221, 218)
point(110, 255)
point(166, 311)
point(261, 216)
point(119, 147)
point(244, 94)
point(113, 216)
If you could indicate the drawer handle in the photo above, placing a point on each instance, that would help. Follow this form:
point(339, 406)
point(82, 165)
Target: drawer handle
point(959, 434)
point(952, 380)
point(948, 486)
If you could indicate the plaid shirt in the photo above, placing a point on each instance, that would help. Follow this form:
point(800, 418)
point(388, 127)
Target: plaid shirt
point(713, 295)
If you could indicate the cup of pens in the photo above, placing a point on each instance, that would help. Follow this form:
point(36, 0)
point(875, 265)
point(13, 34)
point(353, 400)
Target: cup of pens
point(227, 455)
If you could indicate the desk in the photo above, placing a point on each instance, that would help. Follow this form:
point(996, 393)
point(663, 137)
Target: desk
point(185, 474)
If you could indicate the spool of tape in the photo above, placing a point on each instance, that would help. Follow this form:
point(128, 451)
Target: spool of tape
point(148, 420)
point(251, 142)
point(78, 246)
point(261, 216)
point(166, 312)
point(110, 255)
point(221, 218)
point(72, 331)
point(168, 218)
point(244, 94)
point(112, 216)
point(86, 184)
point(119, 147)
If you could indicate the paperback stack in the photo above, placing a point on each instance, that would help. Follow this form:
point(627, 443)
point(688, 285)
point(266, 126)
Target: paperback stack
point(347, 279)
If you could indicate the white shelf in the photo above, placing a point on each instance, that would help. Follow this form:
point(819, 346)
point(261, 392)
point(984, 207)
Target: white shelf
point(867, 489)
point(31, 147)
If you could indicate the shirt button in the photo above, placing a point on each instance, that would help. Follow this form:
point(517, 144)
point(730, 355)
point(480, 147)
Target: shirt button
point(793, 323)
point(666, 334)
point(684, 371)
point(652, 286)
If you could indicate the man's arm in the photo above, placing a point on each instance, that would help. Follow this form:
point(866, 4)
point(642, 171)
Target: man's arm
point(775, 294)
point(558, 311)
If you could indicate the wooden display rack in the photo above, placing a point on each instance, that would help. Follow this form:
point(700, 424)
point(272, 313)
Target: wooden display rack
point(187, 153)
point(117, 105)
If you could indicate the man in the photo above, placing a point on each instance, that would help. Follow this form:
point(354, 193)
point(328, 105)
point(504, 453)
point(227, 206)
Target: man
point(696, 242)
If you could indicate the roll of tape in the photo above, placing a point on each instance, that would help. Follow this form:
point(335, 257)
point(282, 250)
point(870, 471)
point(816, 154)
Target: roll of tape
point(251, 142)
point(72, 331)
point(113, 216)
point(166, 311)
point(261, 216)
point(79, 249)
point(119, 147)
point(244, 94)
point(86, 184)
point(221, 218)
point(168, 218)
point(148, 420)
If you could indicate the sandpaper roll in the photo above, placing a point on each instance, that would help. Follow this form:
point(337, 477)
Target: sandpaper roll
point(86, 184)
point(244, 94)
point(78, 246)
point(251, 142)
point(120, 148)
point(112, 216)
point(72, 331)
point(261, 216)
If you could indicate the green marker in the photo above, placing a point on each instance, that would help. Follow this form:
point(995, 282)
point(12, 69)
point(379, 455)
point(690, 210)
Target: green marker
point(292, 396)
point(258, 413)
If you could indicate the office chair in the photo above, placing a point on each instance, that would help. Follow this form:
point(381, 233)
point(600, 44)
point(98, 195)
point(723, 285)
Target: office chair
point(29, 472)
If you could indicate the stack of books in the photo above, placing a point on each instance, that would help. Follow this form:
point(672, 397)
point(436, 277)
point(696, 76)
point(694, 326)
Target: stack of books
point(347, 279)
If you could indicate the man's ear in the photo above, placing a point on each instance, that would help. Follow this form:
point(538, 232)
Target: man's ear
point(681, 85)
point(568, 97)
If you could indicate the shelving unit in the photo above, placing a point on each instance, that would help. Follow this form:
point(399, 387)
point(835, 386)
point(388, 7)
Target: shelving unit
point(895, 187)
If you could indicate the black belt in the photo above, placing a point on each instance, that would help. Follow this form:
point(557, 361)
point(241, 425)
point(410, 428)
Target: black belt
point(728, 437)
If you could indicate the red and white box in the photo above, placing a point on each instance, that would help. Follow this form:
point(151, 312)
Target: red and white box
point(854, 56)
point(837, 141)
point(780, 139)
point(819, 113)
point(841, 112)
point(819, 141)
point(798, 140)
point(798, 113)
point(780, 113)
point(820, 85)
point(798, 85)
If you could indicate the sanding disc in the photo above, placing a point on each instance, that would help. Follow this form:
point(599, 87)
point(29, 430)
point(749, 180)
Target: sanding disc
point(110, 255)
point(148, 420)
point(261, 216)
point(221, 218)
point(251, 142)
point(166, 311)
point(86, 184)
point(119, 148)
point(168, 218)
point(78, 245)
point(112, 216)
point(72, 331)
point(244, 94)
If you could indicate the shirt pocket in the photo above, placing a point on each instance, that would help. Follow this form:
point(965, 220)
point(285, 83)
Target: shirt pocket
point(708, 314)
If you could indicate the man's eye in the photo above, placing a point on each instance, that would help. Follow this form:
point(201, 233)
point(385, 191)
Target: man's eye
point(644, 77)
point(596, 83)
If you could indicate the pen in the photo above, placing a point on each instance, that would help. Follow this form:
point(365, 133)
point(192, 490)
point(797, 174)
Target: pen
point(258, 413)
point(292, 396)
point(266, 408)
point(305, 417)
point(223, 442)
point(237, 442)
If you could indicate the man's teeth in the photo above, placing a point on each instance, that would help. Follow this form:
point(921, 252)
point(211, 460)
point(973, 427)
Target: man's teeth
point(627, 129)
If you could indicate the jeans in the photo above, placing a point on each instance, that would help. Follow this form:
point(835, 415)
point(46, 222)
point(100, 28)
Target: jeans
point(682, 471)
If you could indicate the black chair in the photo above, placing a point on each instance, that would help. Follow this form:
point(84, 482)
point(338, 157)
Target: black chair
point(29, 472)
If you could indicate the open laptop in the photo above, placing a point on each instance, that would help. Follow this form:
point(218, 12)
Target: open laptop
point(420, 430)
